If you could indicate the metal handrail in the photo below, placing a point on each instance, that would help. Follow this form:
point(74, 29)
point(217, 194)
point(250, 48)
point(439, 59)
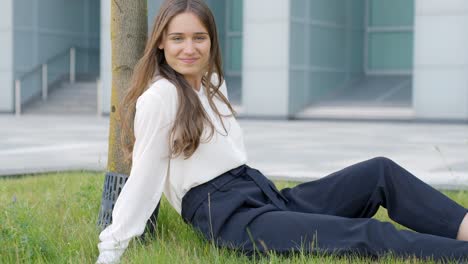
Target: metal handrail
point(71, 52)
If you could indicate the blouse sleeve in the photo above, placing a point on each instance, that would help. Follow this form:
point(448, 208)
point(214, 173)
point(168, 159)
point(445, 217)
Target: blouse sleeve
point(143, 189)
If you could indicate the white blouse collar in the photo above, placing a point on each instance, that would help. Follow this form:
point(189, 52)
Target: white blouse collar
point(201, 92)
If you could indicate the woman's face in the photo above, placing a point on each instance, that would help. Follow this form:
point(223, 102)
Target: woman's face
point(186, 45)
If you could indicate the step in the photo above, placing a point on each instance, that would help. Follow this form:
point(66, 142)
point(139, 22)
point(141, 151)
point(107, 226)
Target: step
point(73, 92)
point(61, 110)
point(71, 99)
point(55, 112)
point(77, 98)
point(64, 106)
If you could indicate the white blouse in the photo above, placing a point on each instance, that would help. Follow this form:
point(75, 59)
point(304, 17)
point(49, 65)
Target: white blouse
point(150, 175)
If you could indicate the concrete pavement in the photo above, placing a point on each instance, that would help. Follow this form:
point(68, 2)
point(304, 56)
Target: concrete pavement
point(298, 150)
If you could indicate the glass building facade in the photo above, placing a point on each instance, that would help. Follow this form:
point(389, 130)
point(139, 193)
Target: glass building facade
point(282, 58)
point(340, 48)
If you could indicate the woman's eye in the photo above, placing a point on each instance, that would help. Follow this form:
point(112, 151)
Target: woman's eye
point(196, 38)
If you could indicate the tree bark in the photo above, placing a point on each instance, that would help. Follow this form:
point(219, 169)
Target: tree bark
point(129, 29)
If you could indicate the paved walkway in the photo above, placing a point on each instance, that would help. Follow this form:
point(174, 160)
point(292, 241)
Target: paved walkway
point(297, 150)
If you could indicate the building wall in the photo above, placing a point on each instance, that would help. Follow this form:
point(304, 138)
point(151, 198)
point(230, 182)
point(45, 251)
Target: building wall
point(265, 58)
point(440, 79)
point(105, 57)
point(153, 8)
point(334, 51)
point(6, 55)
point(45, 29)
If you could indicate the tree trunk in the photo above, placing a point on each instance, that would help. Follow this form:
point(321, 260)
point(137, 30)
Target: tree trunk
point(129, 29)
point(128, 36)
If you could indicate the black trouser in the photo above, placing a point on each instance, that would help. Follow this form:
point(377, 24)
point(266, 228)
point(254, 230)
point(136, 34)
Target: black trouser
point(242, 209)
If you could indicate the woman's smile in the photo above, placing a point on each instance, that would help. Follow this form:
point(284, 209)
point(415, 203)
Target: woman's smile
point(189, 61)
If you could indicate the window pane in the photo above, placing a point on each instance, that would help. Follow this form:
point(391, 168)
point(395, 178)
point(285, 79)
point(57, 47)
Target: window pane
point(327, 47)
point(333, 11)
point(322, 83)
point(235, 15)
point(356, 13)
point(356, 51)
point(391, 51)
point(298, 42)
point(391, 13)
point(298, 9)
point(235, 53)
point(298, 90)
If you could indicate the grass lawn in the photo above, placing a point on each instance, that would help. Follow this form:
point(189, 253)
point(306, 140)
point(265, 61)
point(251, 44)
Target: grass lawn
point(52, 219)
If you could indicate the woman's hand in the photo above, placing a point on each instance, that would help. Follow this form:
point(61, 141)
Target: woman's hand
point(108, 257)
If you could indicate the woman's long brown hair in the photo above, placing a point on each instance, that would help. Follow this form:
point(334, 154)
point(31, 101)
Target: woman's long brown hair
point(185, 135)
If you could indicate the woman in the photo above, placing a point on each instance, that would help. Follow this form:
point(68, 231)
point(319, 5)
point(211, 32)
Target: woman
point(188, 145)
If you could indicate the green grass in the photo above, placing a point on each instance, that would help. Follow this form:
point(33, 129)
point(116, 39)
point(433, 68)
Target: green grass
point(52, 219)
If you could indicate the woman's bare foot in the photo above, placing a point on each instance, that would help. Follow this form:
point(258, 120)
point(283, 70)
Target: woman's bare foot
point(463, 229)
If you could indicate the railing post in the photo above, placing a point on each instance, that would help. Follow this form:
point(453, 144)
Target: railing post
point(72, 64)
point(99, 96)
point(17, 97)
point(44, 82)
